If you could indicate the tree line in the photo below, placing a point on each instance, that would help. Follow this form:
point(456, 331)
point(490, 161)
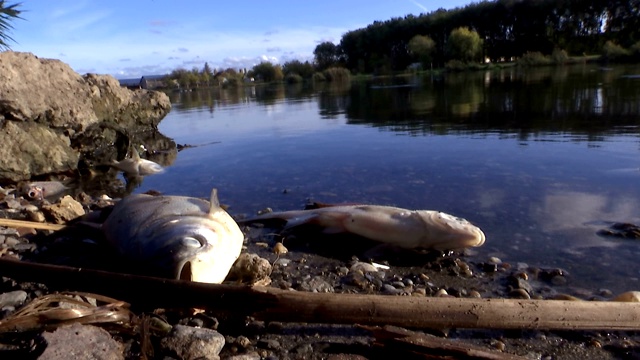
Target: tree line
point(505, 29)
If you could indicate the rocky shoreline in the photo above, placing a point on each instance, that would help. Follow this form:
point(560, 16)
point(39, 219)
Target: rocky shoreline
point(300, 265)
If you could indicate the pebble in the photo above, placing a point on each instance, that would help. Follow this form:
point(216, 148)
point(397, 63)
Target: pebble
point(629, 296)
point(248, 356)
point(192, 343)
point(498, 345)
point(364, 267)
point(279, 248)
point(243, 341)
point(316, 284)
point(80, 342)
point(270, 344)
point(441, 293)
point(389, 289)
point(519, 294)
point(12, 298)
point(475, 294)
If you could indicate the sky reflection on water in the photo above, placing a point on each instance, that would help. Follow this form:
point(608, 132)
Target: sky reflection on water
point(540, 195)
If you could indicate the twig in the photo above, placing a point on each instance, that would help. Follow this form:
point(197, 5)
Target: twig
point(31, 224)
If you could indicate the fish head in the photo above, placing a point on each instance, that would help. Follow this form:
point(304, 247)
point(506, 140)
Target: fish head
point(197, 249)
point(148, 167)
point(35, 192)
point(448, 232)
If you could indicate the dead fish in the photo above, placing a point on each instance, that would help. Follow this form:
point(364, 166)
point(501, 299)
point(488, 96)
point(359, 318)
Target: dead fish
point(409, 229)
point(136, 166)
point(175, 236)
point(38, 190)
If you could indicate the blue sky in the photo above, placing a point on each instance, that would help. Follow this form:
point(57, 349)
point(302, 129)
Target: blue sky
point(146, 37)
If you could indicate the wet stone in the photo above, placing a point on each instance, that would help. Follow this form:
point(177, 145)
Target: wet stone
point(12, 298)
point(270, 344)
point(81, 342)
point(193, 343)
point(519, 294)
point(316, 284)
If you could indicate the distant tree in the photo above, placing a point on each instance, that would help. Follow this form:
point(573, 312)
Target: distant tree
point(206, 74)
point(464, 44)
point(326, 55)
point(422, 47)
point(7, 14)
point(267, 72)
point(305, 70)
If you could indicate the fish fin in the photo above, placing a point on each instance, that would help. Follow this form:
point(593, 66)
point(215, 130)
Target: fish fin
point(301, 220)
point(134, 154)
point(215, 203)
point(319, 205)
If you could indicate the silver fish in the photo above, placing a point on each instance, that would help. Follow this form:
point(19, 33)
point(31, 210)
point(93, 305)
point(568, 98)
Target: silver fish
point(176, 236)
point(136, 166)
point(409, 229)
point(38, 190)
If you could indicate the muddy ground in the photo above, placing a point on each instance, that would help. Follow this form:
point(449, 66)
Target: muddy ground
point(307, 262)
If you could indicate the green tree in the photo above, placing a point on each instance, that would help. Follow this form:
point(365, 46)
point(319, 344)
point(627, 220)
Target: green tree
point(267, 72)
point(7, 14)
point(326, 55)
point(305, 70)
point(464, 44)
point(422, 47)
point(206, 74)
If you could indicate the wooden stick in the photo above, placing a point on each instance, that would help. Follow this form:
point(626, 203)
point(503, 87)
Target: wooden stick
point(31, 224)
point(402, 343)
point(270, 304)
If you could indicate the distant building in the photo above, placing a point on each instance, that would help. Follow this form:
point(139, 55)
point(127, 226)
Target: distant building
point(146, 82)
point(152, 81)
point(130, 83)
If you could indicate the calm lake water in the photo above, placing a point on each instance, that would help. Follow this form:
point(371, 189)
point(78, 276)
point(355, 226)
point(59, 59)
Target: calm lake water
point(539, 159)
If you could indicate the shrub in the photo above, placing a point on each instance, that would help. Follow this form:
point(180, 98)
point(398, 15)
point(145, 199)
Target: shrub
point(455, 65)
point(318, 77)
point(293, 78)
point(559, 56)
point(337, 74)
point(533, 58)
point(613, 52)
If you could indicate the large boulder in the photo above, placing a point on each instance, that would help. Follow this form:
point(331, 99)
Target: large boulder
point(45, 106)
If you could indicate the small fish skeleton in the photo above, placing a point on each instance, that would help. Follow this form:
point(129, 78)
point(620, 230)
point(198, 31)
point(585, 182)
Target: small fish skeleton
point(408, 229)
point(176, 236)
point(136, 166)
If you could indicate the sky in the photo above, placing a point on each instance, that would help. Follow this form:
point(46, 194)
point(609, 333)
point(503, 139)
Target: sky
point(129, 39)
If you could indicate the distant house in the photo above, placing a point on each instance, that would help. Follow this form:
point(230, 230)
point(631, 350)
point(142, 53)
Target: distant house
point(146, 82)
point(130, 83)
point(152, 81)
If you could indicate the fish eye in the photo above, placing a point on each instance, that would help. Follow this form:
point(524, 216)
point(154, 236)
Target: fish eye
point(194, 241)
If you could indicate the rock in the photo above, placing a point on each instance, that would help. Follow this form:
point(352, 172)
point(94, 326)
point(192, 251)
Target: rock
point(250, 268)
point(316, 284)
point(66, 210)
point(44, 105)
point(193, 343)
point(81, 342)
point(12, 298)
point(247, 356)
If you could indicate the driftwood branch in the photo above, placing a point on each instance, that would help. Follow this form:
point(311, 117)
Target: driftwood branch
point(30, 224)
point(272, 304)
point(401, 343)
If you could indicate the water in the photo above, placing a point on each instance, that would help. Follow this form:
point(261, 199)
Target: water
point(539, 159)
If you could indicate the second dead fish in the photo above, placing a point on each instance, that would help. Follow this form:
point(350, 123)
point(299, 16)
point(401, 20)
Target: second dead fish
point(136, 166)
point(409, 229)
